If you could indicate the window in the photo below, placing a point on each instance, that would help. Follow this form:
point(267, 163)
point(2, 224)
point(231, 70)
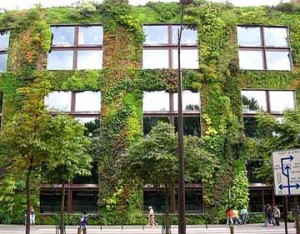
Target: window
point(264, 48)
point(4, 41)
point(161, 44)
point(162, 106)
point(76, 47)
point(83, 106)
point(274, 102)
point(1, 101)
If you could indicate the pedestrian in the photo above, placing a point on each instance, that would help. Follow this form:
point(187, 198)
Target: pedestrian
point(32, 216)
point(151, 217)
point(276, 215)
point(236, 216)
point(244, 215)
point(83, 222)
point(229, 216)
point(268, 215)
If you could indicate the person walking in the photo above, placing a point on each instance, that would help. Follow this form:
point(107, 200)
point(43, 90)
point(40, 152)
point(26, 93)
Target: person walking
point(83, 223)
point(276, 215)
point(229, 217)
point(268, 215)
point(151, 217)
point(244, 215)
point(236, 216)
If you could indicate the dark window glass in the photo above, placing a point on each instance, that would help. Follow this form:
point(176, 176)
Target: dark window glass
point(1, 101)
point(191, 126)
point(194, 200)
point(50, 201)
point(256, 201)
point(85, 200)
point(150, 122)
point(156, 199)
point(252, 166)
point(250, 127)
point(92, 179)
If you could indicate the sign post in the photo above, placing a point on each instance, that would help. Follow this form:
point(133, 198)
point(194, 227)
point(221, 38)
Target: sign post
point(286, 169)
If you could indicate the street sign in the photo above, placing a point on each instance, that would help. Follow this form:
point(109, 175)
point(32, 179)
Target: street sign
point(286, 168)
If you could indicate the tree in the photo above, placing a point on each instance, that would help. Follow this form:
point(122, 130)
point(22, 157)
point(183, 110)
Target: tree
point(32, 138)
point(274, 135)
point(154, 160)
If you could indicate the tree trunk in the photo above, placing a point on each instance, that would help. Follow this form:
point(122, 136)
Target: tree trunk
point(62, 209)
point(28, 198)
point(167, 214)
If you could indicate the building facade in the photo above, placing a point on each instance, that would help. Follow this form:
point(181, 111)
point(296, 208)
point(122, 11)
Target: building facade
point(113, 67)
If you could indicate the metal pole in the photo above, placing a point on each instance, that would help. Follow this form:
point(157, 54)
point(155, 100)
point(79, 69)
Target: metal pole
point(181, 177)
point(181, 170)
point(285, 214)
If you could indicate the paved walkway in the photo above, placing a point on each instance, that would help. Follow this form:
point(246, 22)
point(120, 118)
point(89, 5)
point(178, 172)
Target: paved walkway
point(191, 229)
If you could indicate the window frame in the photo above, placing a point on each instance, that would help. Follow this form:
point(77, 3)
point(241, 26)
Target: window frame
point(77, 47)
point(169, 47)
point(264, 48)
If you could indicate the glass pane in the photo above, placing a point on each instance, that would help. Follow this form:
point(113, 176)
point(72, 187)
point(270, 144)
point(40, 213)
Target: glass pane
point(253, 101)
point(150, 122)
point(60, 60)
point(189, 58)
point(89, 59)
point(278, 60)
point(85, 200)
point(276, 37)
point(250, 127)
point(58, 101)
point(194, 201)
point(156, 101)
point(50, 201)
point(4, 40)
point(251, 60)
point(63, 36)
point(156, 34)
point(3, 62)
point(155, 59)
point(281, 100)
point(90, 35)
point(191, 126)
point(249, 36)
point(88, 101)
point(190, 101)
point(256, 201)
point(188, 36)
point(156, 199)
point(1, 101)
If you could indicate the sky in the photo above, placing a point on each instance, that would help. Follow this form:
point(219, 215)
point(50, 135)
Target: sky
point(25, 4)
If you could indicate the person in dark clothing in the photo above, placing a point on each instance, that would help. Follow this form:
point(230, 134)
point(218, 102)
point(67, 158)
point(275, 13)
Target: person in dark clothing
point(83, 221)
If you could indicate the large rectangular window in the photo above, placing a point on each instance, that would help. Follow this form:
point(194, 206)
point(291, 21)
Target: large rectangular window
point(76, 47)
point(160, 49)
point(163, 106)
point(264, 48)
point(4, 42)
point(274, 102)
point(83, 106)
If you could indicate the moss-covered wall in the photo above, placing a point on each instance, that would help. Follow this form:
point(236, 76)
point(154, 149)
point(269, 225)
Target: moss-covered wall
point(122, 80)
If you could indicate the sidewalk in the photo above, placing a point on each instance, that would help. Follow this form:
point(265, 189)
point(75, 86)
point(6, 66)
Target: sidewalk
point(142, 229)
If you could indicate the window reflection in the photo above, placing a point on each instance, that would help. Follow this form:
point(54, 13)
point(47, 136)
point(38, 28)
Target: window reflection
point(277, 37)
point(254, 101)
point(151, 122)
point(60, 60)
point(252, 60)
point(189, 36)
point(250, 127)
point(281, 101)
point(156, 101)
point(58, 101)
point(278, 60)
point(63, 36)
point(1, 101)
point(191, 125)
point(90, 35)
point(264, 48)
point(4, 40)
point(153, 59)
point(3, 62)
point(161, 43)
point(245, 40)
point(188, 58)
point(76, 47)
point(190, 101)
point(88, 101)
point(89, 59)
point(156, 34)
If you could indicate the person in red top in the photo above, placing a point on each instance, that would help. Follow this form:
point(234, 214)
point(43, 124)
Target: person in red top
point(229, 216)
